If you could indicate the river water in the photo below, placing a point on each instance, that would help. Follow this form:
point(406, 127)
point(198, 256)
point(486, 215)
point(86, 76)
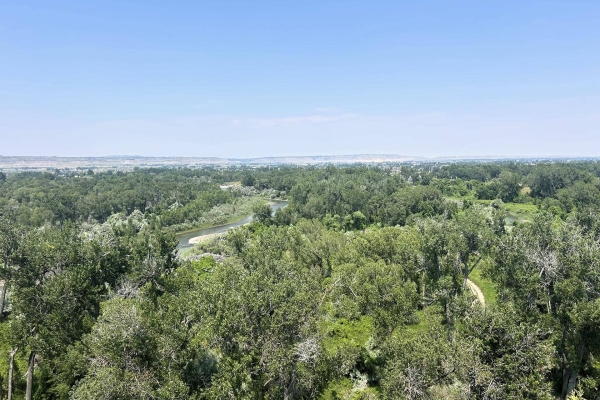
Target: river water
point(184, 240)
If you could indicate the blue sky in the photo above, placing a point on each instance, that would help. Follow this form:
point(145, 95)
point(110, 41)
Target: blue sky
point(245, 79)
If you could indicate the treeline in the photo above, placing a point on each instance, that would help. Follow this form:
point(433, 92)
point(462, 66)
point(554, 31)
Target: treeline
point(175, 196)
point(383, 195)
point(34, 199)
point(393, 196)
point(543, 180)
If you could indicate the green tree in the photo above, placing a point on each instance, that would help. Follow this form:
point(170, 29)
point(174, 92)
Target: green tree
point(247, 180)
point(263, 213)
point(10, 238)
point(510, 186)
point(260, 315)
point(549, 267)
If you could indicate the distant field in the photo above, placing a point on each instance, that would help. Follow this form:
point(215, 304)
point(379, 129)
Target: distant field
point(520, 212)
point(520, 208)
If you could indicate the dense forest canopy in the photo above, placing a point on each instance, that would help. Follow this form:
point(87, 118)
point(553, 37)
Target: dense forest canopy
point(424, 281)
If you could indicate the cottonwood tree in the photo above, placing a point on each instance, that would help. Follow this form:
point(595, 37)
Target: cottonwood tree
point(124, 353)
point(63, 275)
point(45, 259)
point(552, 268)
point(513, 357)
point(426, 365)
point(379, 290)
point(263, 213)
point(259, 313)
point(10, 237)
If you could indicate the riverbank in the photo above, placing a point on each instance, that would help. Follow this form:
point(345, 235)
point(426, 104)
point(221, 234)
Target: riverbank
point(204, 238)
point(222, 214)
point(187, 238)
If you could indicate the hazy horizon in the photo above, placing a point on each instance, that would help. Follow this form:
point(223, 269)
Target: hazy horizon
point(246, 80)
point(406, 157)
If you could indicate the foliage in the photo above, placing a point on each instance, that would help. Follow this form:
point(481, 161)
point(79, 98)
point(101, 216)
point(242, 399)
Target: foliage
point(356, 290)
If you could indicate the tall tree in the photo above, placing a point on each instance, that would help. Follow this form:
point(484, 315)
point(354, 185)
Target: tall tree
point(10, 235)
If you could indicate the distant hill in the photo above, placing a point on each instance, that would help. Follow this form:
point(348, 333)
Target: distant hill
point(22, 163)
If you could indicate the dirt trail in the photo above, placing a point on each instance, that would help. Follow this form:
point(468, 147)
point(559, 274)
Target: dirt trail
point(476, 291)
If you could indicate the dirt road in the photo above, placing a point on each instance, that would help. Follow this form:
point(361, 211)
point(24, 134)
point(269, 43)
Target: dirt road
point(476, 291)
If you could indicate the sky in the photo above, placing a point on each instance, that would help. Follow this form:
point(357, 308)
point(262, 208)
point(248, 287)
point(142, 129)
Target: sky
point(259, 78)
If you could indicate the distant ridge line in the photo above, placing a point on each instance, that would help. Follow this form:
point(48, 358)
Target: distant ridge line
point(128, 162)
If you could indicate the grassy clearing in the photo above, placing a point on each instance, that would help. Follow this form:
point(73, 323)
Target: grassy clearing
point(515, 208)
point(342, 333)
point(337, 389)
point(520, 212)
point(423, 324)
point(520, 208)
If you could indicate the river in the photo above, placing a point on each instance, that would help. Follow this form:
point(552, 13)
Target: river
point(184, 240)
